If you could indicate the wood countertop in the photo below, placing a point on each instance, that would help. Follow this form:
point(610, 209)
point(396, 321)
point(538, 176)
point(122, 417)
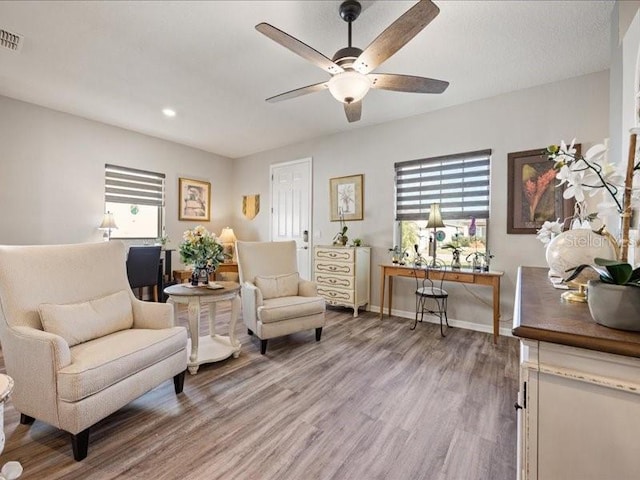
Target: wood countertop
point(541, 314)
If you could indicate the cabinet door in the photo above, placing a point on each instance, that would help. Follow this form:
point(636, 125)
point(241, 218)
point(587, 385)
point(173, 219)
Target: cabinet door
point(586, 431)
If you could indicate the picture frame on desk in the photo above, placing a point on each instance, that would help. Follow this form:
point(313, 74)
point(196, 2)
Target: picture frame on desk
point(532, 196)
point(194, 202)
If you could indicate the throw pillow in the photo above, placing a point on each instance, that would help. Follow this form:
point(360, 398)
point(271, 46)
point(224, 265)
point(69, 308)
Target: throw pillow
point(81, 322)
point(274, 286)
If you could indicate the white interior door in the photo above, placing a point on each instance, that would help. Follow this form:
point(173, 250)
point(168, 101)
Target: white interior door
point(291, 196)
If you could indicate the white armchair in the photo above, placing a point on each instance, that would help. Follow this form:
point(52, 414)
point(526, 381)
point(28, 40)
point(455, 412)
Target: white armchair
point(275, 301)
point(76, 341)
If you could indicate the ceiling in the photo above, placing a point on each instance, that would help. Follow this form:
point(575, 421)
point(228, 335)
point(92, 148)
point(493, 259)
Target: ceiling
point(122, 62)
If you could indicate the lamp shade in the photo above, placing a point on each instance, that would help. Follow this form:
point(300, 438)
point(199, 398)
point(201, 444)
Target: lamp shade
point(435, 217)
point(227, 235)
point(108, 222)
point(349, 86)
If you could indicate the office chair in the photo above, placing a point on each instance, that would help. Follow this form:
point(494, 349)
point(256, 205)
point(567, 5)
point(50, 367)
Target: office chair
point(431, 298)
point(142, 268)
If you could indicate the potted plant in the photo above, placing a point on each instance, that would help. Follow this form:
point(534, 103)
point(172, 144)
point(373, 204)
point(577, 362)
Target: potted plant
point(614, 300)
point(201, 248)
point(456, 250)
point(341, 237)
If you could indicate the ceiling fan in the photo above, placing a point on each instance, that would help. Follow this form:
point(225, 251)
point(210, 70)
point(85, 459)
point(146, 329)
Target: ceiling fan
point(350, 67)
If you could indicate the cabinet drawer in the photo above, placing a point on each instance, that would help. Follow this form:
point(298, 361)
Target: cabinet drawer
point(328, 280)
point(341, 254)
point(336, 294)
point(323, 266)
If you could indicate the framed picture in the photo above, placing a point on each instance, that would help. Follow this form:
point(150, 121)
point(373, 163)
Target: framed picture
point(346, 194)
point(532, 195)
point(194, 201)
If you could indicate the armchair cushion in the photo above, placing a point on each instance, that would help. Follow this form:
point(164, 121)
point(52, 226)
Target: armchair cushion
point(275, 286)
point(81, 322)
point(103, 362)
point(285, 308)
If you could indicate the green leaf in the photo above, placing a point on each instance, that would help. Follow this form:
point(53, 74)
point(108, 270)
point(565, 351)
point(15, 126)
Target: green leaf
point(619, 272)
point(604, 274)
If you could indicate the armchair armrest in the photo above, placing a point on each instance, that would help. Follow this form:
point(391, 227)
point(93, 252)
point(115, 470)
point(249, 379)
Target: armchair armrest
point(251, 300)
point(151, 315)
point(307, 288)
point(41, 355)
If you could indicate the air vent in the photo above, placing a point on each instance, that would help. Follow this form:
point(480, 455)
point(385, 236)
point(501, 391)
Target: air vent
point(10, 41)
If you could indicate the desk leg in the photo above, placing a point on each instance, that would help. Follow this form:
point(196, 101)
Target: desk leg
point(390, 293)
point(235, 312)
point(496, 309)
point(382, 280)
point(194, 332)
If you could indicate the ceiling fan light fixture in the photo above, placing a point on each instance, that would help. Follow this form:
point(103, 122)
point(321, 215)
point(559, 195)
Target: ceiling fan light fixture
point(349, 86)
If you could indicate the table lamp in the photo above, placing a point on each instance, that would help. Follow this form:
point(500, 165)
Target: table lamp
point(108, 223)
point(435, 221)
point(227, 239)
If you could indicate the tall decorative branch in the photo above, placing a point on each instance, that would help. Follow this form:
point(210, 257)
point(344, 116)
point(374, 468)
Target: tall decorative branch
point(628, 186)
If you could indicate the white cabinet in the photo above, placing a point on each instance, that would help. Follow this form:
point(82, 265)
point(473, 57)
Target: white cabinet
point(342, 275)
point(579, 399)
point(580, 415)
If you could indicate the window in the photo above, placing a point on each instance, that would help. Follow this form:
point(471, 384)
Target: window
point(136, 199)
point(460, 184)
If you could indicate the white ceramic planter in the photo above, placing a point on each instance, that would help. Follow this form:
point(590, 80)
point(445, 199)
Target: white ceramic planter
point(614, 306)
point(575, 247)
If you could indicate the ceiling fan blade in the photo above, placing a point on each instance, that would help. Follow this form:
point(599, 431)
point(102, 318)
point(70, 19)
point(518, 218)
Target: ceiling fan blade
point(299, 48)
point(396, 36)
point(353, 111)
point(298, 92)
point(407, 83)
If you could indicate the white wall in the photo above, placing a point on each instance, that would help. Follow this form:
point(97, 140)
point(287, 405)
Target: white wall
point(52, 175)
point(522, 120)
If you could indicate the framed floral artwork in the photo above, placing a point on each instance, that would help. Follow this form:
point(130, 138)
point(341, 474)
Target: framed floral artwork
point(194, 203)
point(346, 198)
point(532, 195)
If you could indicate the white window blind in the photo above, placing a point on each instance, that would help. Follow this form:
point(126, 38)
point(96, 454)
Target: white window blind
point(460, 183)
point(128, 185)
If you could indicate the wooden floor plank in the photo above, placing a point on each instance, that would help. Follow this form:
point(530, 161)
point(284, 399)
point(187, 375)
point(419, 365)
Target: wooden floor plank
point(372, 400)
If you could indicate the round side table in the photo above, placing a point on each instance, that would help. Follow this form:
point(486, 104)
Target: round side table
point(212, 347)
point(10, 470)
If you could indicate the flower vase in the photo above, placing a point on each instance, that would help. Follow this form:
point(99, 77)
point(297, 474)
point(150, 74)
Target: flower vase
point(200, 277)
point(576, 247)
point(455, 263)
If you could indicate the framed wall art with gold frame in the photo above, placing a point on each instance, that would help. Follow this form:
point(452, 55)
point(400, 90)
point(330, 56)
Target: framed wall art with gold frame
point(346, 198)
point(194, 202)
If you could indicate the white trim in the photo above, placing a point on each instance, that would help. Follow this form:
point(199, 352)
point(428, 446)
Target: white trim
point(478, 327)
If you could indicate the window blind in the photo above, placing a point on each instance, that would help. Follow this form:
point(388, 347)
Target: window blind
point(460, 183)
point(138, 187)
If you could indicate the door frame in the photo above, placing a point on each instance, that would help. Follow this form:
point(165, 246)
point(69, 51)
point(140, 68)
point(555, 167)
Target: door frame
point(309, 162)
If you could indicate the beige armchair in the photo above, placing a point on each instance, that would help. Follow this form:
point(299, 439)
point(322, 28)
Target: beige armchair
point(275, 301)
point(76, 341)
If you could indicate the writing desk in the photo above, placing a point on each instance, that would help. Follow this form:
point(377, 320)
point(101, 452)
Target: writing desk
point(489, 279)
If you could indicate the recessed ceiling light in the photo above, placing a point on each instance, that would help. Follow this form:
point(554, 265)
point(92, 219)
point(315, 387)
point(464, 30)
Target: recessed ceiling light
point(169, 112)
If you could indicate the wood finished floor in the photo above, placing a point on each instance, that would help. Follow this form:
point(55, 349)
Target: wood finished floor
point(372, 400)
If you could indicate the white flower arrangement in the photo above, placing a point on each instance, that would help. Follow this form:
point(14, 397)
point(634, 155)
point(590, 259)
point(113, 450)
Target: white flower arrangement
point(549, 230)
point(589, 175)
point(201, 248)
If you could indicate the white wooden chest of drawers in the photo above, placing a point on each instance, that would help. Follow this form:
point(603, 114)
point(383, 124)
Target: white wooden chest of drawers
point(342, 275)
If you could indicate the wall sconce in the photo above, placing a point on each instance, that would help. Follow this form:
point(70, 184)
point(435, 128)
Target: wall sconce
point(435, 221)
point(108, 224)
point(227, 239)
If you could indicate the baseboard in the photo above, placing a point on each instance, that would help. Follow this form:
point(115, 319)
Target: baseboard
point(478, 327)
